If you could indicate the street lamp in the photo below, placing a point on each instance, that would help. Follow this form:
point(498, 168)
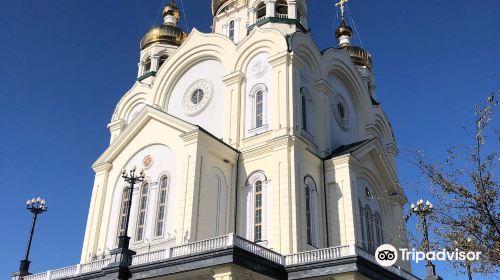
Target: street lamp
point(36, 206)
point(422, 210)
point(122, 256)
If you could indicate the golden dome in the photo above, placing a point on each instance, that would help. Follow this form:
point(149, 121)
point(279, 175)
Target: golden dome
point(168, 34)
point(172, 10)
point(217, 4)
point(343, 30)
point(360, 57)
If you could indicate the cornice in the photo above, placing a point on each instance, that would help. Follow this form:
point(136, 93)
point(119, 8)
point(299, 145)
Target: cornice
point(279, 59)
point(324, 87)
point(233, 78)
point(102, 167)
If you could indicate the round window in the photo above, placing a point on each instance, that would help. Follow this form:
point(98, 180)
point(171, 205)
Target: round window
point(341, 112)
point(197, 96)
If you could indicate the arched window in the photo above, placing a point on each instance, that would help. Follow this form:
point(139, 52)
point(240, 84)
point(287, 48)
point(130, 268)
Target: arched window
point(231, 30)
point(255, 196)
point(125, 204)
point(281, 9)
point(310, 210)
point(163, 58)
point(162, 206)
point(258, 212)
point(362, 222)
point(308, 215)
point(259, 108)
point(304, 113)
point(147, 65)
point(261, 10)
point(378, 225)
point(369, 229)
point(141, 215)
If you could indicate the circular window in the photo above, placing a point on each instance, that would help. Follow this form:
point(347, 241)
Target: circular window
point(341, 112)
point(197, 97)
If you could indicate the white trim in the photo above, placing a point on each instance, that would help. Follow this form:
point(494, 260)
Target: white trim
point(253, 130)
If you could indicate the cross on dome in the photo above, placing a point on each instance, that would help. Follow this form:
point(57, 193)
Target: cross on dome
point(342, 7)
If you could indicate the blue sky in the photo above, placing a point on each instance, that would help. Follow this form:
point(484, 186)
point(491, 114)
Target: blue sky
point(65, 64)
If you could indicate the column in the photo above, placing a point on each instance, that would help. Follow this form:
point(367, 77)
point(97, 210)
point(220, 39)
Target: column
point(155, 63)
point(251, 16)
point(270, 8)
point(292, 9)
point(238, 30)
point(140, 69)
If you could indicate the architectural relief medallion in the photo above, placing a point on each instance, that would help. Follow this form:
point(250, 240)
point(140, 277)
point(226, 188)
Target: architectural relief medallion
point(260, 68)
point(341, 112)
point(147, 162)
point(197, 97)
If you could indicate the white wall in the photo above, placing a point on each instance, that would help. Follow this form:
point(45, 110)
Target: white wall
point(212, 117)
point(164, 163)
point(258, 72)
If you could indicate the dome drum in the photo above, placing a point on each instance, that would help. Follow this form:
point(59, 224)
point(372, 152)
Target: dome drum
point(360, 57)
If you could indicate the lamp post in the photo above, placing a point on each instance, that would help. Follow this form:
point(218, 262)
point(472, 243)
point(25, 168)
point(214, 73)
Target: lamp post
point(422, 210)
point(122, 256)
point(36, 206)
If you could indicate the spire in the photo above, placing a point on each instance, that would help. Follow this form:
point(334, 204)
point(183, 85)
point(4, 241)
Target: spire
point(342, 8)
point(344, 32)
point(171, 14)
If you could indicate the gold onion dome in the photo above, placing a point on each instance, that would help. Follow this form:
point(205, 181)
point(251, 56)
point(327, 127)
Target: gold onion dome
point(358, 55)
point(169, 32)
point(343, 30)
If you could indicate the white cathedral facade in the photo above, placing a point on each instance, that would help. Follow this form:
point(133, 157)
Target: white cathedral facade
point(264, 157)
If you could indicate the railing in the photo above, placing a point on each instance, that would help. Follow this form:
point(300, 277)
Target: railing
point(39, 276)
point(221, 242)
point(151, 257)
point(260, 19)
point(64, 272)
point(281, 15)
point(320, 255)
point(94, 266)
point(258, 250)
point(202, 246)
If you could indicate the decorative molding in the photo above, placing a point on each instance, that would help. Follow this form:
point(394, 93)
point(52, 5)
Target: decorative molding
point(279, 59)
point(233, 78)
point(102, 167)
point(342, 112)
point(192, 108)
point(324, 87)
point(260, 68)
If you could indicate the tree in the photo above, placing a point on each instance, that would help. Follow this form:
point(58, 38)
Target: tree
point(466, 183)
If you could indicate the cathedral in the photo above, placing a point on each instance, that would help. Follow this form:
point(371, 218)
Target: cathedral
point(262, 157)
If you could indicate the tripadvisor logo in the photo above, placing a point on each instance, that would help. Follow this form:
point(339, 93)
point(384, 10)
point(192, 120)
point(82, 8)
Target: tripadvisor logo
point(387, 255)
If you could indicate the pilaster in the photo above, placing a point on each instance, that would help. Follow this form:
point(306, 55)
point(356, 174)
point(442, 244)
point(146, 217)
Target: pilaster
point(341, 173)
point(281, 89)
point(96, 208)
point(115, 128)
point(233, 96)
